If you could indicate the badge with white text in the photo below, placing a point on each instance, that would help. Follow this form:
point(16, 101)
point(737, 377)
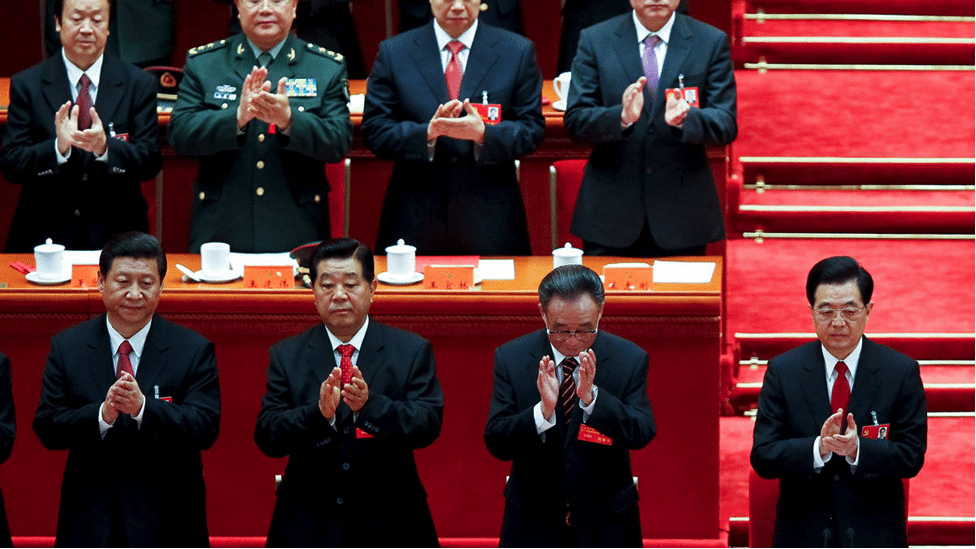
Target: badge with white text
point(300, 87)
point(225, 92)
point(876, 432)
point(589, 434)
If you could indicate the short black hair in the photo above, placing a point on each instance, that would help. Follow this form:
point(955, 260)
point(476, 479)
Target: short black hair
point(839, 270)
point(343, 248)
point(132, 244)
point(58, 12)
point(570, 282)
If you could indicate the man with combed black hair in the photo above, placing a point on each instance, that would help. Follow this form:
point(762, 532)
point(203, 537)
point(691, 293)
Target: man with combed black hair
point(134, 399)
point(348, 401)
point(568, 404)
point(841, 422)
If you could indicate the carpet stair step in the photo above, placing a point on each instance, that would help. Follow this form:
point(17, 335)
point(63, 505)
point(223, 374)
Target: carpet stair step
point(930, 531)
point(857, 173)
point(908, 7)
point(940, 398)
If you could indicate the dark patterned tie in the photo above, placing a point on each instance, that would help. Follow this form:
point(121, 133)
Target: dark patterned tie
point(453, 74)
point(84, 103)
point(567, 389)
point(649, 60)
point(345, 364)
point(842, 390)
point(265, 59)
point(125, 365)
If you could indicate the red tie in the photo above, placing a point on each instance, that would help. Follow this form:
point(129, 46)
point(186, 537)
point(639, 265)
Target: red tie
point(567, 389)
point(453, 74)
point(84, 103)
point(346, 363)
point(842, 390)
point(125, 366)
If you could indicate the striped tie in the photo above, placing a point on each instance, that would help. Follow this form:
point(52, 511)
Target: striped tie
point(567, 389)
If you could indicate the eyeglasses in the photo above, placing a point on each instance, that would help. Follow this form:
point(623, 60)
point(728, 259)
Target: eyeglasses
point(253, 4)
point(563, 335)
point(827, 314)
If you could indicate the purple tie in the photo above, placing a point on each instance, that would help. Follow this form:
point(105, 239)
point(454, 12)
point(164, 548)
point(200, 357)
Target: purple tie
point(649, 61)
point(84, 103)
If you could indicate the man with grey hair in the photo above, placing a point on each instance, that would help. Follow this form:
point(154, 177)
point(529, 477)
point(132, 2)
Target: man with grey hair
point(568, 422)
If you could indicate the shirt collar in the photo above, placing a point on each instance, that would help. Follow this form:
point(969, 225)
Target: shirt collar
point(559, 357)
point(94, 72)
point(664, 33)
point(138, 340)
point(356, 341)
point(830, 361)
point(466, 38)
point(273, 51)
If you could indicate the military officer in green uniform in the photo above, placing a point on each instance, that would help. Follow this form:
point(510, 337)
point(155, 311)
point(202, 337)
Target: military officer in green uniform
point(264, 111)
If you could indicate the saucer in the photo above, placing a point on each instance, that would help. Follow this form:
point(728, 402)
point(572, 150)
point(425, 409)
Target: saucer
point(387, 277)
point(33, 277)
point(230, 276)
point(559, 105)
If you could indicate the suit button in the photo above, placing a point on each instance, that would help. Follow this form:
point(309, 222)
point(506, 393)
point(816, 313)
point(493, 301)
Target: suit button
point(260, 164)
point(261, 137)
point(223, 106)
point(77, 213)
point(84, 177)
point(339, 501)
point(259, 191)
point(345, 466)
point(345, 430)
point(202, 195)
point(301, 109)
point(318, 198)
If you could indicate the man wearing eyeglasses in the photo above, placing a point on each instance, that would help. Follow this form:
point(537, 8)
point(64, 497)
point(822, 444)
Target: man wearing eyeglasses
point(568, 404)
point(264, 111)
point(840, 423)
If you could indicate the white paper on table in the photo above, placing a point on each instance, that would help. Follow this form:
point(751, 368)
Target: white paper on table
point(240, 260)
point(683, 272)
point(496, 269)
point(82, 257)
point(357, 103)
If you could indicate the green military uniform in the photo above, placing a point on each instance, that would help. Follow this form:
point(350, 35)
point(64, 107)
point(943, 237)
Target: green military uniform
point(261, 190)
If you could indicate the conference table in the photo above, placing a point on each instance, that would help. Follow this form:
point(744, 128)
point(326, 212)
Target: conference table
point(678, 325)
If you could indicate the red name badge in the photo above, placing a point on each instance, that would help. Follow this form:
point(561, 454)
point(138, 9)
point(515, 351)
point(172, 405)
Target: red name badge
point(589, 434)
point(122, 137)
point(688, 94)
point(84, 276)
point(627, 278)
point(490, 113)
point(876, 432)
point(362, 434)
point(449, 277)
point(261, 277)
point(166, 399)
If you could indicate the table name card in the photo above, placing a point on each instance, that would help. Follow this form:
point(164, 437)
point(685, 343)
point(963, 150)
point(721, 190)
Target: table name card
point(84, 276)
point(268, 277)
point(631, 278)
point(449, 277)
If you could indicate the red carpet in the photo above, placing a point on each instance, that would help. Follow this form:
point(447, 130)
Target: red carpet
point(909, 7)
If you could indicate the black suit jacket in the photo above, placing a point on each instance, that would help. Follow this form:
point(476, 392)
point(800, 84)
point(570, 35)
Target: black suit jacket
point(340, 489)
point(8, 431)
point(151, 477)
point(650, 173)
point(457, 203)
point(863, 508)
point(595, 479)
point(81, 202)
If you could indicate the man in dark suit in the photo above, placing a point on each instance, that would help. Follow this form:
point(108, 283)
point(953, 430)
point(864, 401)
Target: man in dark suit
point(505, 14)
point(81, 134)
point(454, 188)
point(8, 431)
point(568, 404)
point(348, 401)
point(264, 111)
point(648, 189)
point(839, 486)
point(134, 399)
point(579, 14)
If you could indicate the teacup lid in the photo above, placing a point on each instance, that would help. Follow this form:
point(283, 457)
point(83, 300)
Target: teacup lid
point(400, 248)
point(567, 251)
point(49, 247)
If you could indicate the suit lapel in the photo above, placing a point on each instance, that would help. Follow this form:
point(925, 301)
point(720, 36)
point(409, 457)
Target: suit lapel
point(100, 354)
point(426, 57)
point(813, 376)
point(154, 355)
point(319, 355)
point(56, 88)
point(867, 381)
point(244, 60)
point(481, 60)
point(111, 88)
point(628, 50)
point(678, 49)
point(371, 358)
point(287, 61)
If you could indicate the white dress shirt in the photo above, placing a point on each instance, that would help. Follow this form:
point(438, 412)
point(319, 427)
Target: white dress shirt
point(830, 364)
point(94, 73)
point(138, 342)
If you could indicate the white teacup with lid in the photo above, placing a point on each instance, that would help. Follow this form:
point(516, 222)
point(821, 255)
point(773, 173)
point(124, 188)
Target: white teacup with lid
point(215, 259)
point(401, 260)
point(49, 258)
point(567, 255)
point(561, 85)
